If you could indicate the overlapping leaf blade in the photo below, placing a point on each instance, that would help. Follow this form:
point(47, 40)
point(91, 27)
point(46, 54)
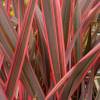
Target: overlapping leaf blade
point(52, 20)
point(77, 21)
point(38, 91)
point(7, 54)
point(20, 50)
point(43, 49)
point(60, 36)
point(81, 64)
point(52, 35)
point(66, 5)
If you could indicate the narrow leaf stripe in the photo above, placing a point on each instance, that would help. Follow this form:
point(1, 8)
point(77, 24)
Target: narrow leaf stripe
point(19, 18)
point(35, 83)
point(5, 53)
point(77, 82)
point(80, 30)
point(60, 36)
point(42, 31)
point(20, 50)
point(65, 18)
point(5, 46)
point(68, 74)
point(8, 3)
point(7, 29)
point(48, 10)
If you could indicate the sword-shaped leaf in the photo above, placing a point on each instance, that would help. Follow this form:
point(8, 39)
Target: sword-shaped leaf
point(51, 35)
point(83, 62)
point(66, 5)
point(6, 47)
point(21, 49)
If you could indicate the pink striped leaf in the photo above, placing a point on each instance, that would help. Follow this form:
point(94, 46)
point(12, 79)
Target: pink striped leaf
point(67, 76)
point(21, 49)
point(51, 35)
point(66, 5)
point(5, 48)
